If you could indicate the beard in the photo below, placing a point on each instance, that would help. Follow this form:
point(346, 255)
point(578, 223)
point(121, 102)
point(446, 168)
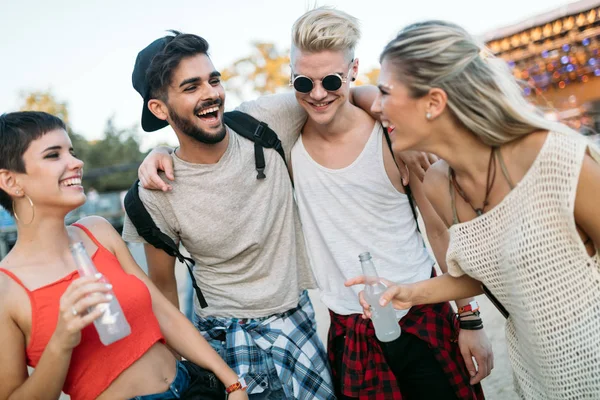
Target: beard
point(187, 127)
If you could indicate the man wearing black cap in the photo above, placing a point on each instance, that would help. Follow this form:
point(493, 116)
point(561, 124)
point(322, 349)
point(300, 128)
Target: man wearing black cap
point(243, 233)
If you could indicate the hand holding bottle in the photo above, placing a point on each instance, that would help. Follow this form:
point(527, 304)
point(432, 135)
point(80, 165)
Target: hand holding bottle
point(81, 295)
point(384, 319)
point(399, 295)
point(112, 325)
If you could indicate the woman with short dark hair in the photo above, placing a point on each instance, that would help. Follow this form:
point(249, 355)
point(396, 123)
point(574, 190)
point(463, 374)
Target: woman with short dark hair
point(47, 309)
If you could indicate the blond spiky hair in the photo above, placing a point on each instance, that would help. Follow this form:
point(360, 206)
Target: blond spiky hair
point(325, 28)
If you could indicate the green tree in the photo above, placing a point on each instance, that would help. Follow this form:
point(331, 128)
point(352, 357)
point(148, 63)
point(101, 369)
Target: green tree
point(112, 161)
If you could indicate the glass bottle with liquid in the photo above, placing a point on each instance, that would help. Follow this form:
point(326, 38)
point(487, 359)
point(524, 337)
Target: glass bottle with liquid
point(384, 319)
point(111, 325)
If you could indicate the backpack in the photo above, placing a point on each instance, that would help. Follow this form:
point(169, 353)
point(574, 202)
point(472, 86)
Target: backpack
point(243, 124)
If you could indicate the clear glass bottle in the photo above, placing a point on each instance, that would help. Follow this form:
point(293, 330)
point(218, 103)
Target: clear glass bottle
point(384, 319)
point(111, 325)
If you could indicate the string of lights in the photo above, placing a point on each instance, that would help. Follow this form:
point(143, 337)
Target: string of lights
point(555, 55)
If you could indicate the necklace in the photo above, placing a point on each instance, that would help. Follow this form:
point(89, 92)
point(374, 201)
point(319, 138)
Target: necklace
point(489, 183)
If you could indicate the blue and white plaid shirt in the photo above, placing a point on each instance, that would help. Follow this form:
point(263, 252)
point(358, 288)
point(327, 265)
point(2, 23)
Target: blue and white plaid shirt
point(280, 351)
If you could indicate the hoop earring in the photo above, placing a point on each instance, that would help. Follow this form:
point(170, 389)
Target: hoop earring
point(32, 211)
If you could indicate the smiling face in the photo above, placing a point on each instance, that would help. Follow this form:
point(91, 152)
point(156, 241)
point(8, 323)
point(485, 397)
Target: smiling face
point(403, 115)
point(53, 173)
point(322, 105)
point(196, 100)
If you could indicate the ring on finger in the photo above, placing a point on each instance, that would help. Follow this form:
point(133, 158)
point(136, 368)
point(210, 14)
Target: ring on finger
point(74, 311)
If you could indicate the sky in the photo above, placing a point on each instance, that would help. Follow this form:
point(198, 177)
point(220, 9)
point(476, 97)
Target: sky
point(83, 51)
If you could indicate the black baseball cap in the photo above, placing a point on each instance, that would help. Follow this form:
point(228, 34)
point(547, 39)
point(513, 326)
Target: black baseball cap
point(140, 82)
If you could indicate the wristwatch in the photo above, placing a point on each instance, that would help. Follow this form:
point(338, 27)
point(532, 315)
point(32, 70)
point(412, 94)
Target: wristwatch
point(473, 306)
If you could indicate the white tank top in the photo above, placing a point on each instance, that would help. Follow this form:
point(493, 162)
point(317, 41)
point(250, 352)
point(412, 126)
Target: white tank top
point(347, 211)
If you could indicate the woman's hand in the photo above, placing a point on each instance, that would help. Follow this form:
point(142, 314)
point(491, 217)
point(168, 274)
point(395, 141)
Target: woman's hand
point(159, 159)
point(84, 293)
point(401, 296)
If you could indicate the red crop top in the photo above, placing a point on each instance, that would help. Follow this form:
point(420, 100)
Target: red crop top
point(94, 366)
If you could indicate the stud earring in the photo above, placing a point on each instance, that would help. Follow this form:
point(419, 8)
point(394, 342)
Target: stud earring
point(353, 79)
point(428, 115)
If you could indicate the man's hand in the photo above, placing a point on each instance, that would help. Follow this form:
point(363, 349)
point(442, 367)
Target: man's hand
point(475, 344)
point(158, 159)
point(416, 161)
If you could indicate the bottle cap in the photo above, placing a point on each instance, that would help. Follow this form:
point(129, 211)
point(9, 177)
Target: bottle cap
point(366, 256)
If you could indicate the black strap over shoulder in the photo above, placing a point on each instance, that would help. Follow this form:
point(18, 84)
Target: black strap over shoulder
point(146, 228)
point(411, 201)
point(246, 126)
point(259, 133)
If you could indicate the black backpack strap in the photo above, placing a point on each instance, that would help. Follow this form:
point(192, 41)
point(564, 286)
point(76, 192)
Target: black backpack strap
point(259, 133)
point(146, 228)
point(411, 201)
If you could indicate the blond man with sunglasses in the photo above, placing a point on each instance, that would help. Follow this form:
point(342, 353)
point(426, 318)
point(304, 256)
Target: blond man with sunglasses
point(351, 199)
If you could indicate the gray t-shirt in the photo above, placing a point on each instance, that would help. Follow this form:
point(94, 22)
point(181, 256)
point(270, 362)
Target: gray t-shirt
point(244, 233)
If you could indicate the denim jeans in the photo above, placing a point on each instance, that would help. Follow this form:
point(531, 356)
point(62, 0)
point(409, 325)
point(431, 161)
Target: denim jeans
point(179, 385)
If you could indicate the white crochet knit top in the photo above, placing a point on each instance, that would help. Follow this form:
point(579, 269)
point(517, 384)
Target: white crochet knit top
point(529, 254)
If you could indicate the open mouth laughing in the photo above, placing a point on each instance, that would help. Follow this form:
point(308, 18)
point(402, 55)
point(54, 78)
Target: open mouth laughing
point(210, 114)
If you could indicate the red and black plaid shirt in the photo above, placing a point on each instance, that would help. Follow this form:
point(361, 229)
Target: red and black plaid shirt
point(365, 373)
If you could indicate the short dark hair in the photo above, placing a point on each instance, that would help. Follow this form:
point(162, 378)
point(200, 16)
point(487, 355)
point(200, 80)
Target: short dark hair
point(178, 47)
point(17, 131)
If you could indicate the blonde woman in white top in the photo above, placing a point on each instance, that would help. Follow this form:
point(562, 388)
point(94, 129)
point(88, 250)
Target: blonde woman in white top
point(519, 195)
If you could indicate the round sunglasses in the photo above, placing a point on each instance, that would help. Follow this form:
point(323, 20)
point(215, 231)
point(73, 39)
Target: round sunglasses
point(331, 82)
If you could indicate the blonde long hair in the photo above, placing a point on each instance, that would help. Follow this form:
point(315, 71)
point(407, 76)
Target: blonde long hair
point(482, 93)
